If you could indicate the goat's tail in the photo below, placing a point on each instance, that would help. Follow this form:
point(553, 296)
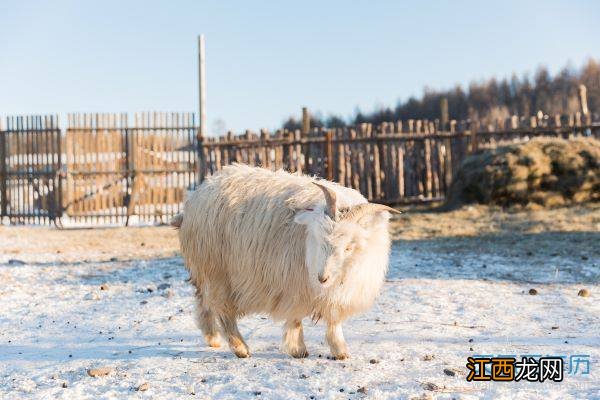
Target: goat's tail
point(176, 221)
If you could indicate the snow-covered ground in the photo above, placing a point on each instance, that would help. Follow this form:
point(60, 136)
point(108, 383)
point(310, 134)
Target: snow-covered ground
point(444, 301)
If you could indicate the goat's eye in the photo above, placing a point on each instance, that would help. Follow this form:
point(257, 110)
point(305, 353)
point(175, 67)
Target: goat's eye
point(348, 248)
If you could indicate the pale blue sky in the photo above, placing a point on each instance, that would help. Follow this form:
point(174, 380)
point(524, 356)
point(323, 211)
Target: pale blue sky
point(266, 59)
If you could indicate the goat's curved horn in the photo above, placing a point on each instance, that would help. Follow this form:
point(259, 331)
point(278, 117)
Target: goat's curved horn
point(330, 199)
point(368, 208)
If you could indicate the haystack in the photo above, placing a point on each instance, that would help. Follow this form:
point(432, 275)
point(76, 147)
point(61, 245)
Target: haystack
point(544, 172)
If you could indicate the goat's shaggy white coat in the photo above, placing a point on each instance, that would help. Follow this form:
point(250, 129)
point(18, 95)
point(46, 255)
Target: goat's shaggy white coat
point(257, 241)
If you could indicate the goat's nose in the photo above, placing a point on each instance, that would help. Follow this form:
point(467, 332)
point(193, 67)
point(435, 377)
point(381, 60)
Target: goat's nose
point(323, 279)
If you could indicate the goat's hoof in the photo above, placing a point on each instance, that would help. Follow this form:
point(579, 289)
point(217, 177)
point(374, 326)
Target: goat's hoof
point(340, 357)
point(299, 354)
point(241, 352)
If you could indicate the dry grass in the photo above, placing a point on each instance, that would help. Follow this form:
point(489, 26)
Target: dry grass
point(481, 220)
point(544, 172)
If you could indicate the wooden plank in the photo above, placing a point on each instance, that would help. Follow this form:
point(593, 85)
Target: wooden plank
point(329, 144)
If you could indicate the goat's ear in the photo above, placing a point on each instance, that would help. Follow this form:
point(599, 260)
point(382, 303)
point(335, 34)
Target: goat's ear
point(305, 216)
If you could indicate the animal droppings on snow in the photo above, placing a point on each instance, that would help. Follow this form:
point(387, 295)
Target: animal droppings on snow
point(430, 386)
point(428, 357)
point(449, 372)
point(533, 292)
point(104, 286)
point(373, 361)
point(362, 390)
point(102, 371)
point(583, 293)
point(143, 387)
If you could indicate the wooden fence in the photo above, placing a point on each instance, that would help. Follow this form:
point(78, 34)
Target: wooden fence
point(112, 169)
point(116, 170)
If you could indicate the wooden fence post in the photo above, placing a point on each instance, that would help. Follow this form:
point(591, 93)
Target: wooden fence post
point(584, 104)
point(305, 131)
point(329, 138)
point(474, 127)
point(444, 117)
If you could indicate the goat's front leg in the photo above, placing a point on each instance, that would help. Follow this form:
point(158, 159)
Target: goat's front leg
point(293, 339)
point(335, 339)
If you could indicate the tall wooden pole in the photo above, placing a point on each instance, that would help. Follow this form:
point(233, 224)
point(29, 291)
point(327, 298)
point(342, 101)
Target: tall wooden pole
point(305, 121)
point(201, 87)
point(201, 109)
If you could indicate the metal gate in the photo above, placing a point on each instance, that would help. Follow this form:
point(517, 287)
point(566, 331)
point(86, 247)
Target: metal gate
point(30, 161)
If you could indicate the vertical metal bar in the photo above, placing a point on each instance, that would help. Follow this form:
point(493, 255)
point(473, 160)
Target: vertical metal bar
point(127, 174)
point(3, 175)
point(18, 162)
point(58, 211)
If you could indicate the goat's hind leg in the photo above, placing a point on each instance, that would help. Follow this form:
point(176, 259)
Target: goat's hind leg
point(210, 328)
point(207, 321)
point(234, 338)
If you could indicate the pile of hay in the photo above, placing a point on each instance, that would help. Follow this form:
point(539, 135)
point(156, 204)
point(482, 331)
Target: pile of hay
point(544, 172)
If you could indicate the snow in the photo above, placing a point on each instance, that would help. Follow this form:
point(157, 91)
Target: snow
point(56, 323)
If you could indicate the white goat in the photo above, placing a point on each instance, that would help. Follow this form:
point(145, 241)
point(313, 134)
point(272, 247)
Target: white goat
point(291, 246)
